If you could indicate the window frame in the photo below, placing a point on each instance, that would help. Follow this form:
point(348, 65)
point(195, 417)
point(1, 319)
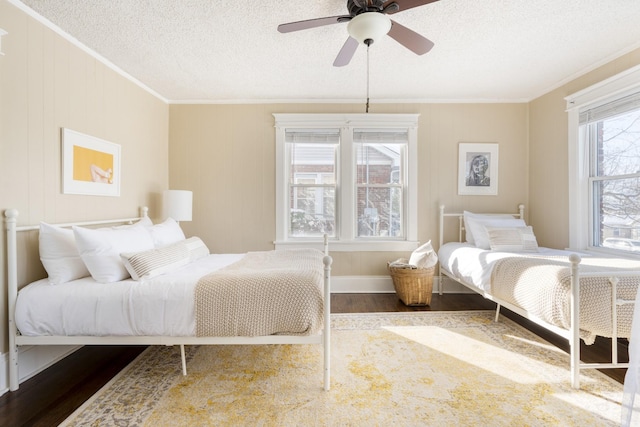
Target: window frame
point(581, 219)
point(346, 232)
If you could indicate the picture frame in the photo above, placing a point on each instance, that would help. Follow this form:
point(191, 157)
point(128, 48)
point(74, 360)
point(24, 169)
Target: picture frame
point(477, 169)
point(90, 165)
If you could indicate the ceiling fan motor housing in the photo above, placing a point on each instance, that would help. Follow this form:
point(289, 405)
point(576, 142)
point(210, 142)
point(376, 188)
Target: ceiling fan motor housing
point(356, 7)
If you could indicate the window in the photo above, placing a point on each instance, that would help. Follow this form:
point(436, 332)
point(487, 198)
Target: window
point(380, 160)
point(606, 161)
point(352, 177)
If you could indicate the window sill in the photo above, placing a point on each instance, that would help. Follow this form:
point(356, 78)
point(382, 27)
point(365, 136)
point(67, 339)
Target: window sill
point(351, 246)
point(612, 253)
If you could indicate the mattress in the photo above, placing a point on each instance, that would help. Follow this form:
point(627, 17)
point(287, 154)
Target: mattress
point(161, 306)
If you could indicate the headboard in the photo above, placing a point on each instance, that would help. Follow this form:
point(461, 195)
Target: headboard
point(460, 216)
point(11, 220)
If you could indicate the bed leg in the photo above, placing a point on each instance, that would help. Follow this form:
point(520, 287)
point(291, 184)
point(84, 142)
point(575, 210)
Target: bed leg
point(11, 219)
point(497, 313)
point(614, 319)
point(574, 329)
point(14, 373)
point(184, 360)
point(326, 332)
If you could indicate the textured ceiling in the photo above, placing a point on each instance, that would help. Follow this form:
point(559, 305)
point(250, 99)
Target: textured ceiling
point(230, 50)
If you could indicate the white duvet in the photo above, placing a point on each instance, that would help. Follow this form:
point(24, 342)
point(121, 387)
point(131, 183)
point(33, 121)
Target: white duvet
point(161, 306)
point(473, 265)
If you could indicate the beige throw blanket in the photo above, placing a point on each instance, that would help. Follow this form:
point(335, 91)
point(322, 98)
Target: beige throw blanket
point(265, 293)
point(542, 287)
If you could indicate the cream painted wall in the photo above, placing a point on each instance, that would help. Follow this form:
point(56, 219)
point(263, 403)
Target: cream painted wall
point(548, 154)
point(226, 155)
point(46, 83)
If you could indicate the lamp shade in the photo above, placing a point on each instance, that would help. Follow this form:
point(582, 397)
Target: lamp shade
point(177, 204)
point(369, 26)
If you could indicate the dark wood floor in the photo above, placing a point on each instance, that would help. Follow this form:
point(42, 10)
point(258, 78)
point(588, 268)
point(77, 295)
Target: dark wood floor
point(51, 396)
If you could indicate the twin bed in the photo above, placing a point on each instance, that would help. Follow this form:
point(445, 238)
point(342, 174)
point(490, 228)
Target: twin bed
point(146, 284)
point(573, 295)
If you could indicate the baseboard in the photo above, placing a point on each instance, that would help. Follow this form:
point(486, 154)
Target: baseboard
point(33, 360)
point(361, 284)
point(383, 284)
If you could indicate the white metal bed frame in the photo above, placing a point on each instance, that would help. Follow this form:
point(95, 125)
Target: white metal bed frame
point(573, 333)
point(16, 339)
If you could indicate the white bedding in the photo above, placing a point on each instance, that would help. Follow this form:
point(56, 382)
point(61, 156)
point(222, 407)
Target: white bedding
point(539, 284)
point(161, 306)
point(474, 266)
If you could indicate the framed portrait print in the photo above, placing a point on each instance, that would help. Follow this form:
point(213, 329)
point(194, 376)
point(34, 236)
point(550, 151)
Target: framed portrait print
point(90, 165)
point(478, 169)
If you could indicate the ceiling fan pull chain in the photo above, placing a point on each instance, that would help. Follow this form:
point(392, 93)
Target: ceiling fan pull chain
point(368, 45)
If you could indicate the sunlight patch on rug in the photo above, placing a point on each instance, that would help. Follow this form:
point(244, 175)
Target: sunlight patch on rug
point(427, 368)
point(473, 347)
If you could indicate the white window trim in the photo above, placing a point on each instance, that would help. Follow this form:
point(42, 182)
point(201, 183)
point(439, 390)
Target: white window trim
point(347, 241)
point(608, 90)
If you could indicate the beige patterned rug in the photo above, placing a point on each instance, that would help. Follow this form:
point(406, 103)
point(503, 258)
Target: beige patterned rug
point(402, 369)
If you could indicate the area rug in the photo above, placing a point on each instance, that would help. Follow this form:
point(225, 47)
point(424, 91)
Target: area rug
point(402, 369)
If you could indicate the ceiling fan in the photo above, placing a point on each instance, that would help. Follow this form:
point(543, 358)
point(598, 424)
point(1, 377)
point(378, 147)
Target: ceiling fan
point(367, 21)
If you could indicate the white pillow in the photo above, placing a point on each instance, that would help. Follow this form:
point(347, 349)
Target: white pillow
point(512, 239)
point(477, 224)
point(100, 249)
point(145, 221)
point(154, 262)
point(59, 254)
point(197, 248)
point(424, 256)
point(471, 221)
point(166, 233)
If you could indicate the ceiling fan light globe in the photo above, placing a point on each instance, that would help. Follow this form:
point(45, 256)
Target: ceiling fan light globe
point(369, 26)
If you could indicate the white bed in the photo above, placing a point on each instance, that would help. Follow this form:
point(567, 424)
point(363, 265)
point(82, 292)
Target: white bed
point(542, 284)
point(163, 305)
point(158, 309)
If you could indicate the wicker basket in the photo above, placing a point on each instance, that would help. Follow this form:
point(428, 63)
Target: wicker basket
point(414, 286)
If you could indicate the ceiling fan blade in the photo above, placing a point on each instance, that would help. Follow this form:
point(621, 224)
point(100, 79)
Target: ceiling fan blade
point(408, 4)
point(410, 39)
point(312, 23)
point(346, 53)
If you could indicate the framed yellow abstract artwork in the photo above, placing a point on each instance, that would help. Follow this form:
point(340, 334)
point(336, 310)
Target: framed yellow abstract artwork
point(90, 165)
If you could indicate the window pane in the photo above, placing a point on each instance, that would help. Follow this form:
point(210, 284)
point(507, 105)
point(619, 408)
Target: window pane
point(313, 162)
point(618, 145)
point(616, 196)
point(617, 213)
point(378, 163)
point(312, 181)
point(379, 212)
point(312, 211)
point(379, 191)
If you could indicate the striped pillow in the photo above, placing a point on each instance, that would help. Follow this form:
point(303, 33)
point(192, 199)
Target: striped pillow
point(154, 262)
point(512, 239)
